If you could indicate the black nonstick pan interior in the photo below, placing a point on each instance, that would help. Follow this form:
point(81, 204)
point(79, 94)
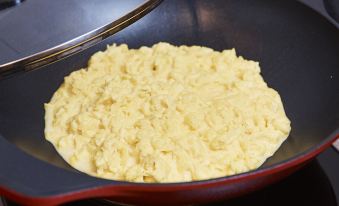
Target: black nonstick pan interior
point(298, 51)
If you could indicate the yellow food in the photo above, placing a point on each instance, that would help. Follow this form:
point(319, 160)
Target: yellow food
point(166, 114)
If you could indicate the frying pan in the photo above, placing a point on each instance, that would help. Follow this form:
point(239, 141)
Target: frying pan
point(298, 51)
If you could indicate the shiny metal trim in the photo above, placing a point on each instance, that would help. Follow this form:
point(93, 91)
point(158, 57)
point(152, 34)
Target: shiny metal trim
point(75, 45)
point(336, 145)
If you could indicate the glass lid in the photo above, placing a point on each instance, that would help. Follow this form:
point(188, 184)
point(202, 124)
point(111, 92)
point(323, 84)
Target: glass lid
point(37, 32)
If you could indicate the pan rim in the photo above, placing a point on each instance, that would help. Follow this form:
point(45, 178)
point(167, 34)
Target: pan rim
point(98, 190)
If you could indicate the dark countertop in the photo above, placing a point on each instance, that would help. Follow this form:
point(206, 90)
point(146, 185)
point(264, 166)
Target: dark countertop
point(329, 161)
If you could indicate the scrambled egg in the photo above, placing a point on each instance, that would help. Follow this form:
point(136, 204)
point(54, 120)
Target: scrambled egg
point(166, 114)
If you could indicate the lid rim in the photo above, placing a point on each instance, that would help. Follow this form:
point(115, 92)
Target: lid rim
point(77, 44)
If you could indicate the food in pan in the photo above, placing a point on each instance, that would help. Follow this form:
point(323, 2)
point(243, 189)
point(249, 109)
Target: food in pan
point(166, 114)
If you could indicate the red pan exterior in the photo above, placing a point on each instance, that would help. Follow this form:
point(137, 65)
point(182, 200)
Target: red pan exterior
point(181, 193)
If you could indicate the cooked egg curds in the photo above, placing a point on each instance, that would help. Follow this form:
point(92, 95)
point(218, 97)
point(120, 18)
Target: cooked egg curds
point(166, 114)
